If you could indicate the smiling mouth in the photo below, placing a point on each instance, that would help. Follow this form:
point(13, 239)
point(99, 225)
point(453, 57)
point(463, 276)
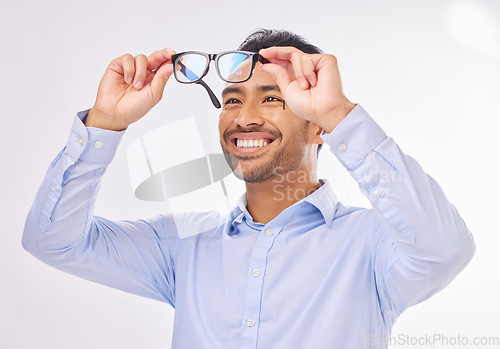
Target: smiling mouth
point(252, 143)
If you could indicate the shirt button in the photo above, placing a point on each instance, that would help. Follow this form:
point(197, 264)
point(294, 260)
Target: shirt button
point(80, 140)
point(98, 144)
point(256, 272)
point(342, 147)
point(56, 187)
point(250, 323)
point(269, 231)
point(377, 193)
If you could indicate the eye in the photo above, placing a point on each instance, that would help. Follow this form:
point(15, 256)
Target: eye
point(273, 99)
point(231, 101)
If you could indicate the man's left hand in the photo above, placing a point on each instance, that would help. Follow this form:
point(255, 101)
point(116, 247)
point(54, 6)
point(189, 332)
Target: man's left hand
point(310, 84)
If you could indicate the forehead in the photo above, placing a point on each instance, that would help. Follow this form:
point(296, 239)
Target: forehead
point(260, 82)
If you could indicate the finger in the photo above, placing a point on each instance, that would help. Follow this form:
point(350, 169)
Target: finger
point(279, 52)
point(309, 69)
point(128, 65)
point(292, 55)
point(141, 64)
point(279, 73)
point(296, 60)
point(160, 79)
point(285, 64)
point(157, 58)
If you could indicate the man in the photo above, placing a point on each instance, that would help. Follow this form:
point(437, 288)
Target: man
point(290, 266)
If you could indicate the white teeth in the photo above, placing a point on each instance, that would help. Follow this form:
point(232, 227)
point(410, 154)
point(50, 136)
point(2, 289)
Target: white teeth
point(250, 143)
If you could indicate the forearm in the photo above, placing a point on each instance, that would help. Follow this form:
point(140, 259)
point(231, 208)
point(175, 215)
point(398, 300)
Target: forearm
point(62, 231)
point(413, 208)
point(420, 237)
point(64, 204)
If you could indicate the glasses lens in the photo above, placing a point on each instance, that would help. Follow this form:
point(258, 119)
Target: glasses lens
point(235, 66)
point(190, 67)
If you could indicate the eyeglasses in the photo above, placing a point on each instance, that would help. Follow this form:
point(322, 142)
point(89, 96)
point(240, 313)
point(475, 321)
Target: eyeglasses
point(231, 66)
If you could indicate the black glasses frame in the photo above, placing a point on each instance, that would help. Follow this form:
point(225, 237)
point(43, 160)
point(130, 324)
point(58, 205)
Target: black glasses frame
point(213, 57)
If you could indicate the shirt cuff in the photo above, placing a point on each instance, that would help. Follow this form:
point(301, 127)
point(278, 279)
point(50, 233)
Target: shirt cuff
point(92, 144)
point(356, 136)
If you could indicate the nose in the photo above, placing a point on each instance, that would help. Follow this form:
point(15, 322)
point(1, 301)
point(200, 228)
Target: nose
point(248, 116)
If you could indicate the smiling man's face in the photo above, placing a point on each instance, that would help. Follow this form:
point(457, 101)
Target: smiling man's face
point(259, 139)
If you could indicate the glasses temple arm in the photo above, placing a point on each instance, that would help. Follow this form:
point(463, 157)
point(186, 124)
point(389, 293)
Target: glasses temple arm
point(214, 99)
point(185, 70)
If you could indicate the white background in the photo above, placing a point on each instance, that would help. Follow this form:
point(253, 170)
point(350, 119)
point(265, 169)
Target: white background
point(427, 71)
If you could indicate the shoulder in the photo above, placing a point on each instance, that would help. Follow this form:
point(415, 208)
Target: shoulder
point(353, 213)
point(358, 221)
point(186, 224)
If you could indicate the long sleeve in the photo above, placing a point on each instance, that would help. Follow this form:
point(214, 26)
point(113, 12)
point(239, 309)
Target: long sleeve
point(62, 231)
point(419, 241)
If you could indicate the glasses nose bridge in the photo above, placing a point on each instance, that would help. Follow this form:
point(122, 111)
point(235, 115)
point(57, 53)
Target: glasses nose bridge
point(211, 57)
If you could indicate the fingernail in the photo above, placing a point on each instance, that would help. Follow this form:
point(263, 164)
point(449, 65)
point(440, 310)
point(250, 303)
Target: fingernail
point(138, 84)
point(128, 80)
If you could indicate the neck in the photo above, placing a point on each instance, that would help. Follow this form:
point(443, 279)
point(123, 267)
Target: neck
point(267, 200)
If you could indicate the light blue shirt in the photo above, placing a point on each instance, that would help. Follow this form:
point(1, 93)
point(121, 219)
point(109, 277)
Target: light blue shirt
point(319, 275)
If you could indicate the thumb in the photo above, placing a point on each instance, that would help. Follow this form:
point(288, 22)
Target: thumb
point(278, 73)
point(160, 79)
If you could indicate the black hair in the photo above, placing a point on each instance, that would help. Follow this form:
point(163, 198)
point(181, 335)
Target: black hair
point(263, 38)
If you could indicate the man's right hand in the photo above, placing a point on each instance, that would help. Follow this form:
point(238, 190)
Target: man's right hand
point(130, 87)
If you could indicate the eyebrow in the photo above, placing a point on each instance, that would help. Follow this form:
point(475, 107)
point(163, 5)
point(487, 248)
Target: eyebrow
point(239, 90)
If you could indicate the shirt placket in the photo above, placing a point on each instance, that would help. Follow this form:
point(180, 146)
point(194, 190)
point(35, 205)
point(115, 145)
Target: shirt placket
point(255, 281)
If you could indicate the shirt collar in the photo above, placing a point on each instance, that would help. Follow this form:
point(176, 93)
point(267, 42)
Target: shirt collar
point(324, 199)
point(236, 215)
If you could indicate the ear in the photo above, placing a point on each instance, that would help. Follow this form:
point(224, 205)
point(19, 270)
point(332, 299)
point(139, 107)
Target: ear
point(315, 134)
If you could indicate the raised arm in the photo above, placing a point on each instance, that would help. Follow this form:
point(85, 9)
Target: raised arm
point(419, 242)
point(61, 229)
